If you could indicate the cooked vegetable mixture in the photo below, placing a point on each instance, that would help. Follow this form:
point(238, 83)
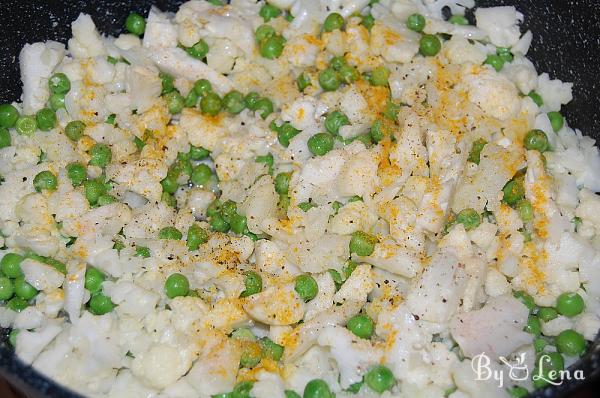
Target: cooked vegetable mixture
point(296, 198)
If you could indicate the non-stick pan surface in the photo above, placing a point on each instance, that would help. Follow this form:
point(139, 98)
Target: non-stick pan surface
point(566, 45)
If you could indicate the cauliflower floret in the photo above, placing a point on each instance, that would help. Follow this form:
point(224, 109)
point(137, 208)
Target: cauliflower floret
point(260, 204)
point(355, 216)
point(554, 92)
point(501, 24)
point(86, 42)
point(493, 93)
point(41, 276)
point(276, 306)
point(162, 365)
point(160, 32)
point(143, 86)
point(394, 43)
point(460, 51)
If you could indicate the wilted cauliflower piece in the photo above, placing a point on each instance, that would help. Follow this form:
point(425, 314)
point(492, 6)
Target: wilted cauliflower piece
point(161, 366)
point(41, 276)
point(500, 23)
point(160, 32)
point(278, 305)
point(260, 204)
point(493, 93)
point(86, 42)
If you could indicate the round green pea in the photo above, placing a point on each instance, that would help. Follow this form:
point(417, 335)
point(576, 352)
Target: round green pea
point(141, 251)
point(175, 102)
point(238, 223)
point(218, 223)
point(105, 199)
point(556, 120)
point(458, 20)
point(196, 236)
point(361, 326)
point(264, 32)
point(8, 115)
point(74, 129)
point(533, 325)
point(317, 388)
point(547, 314)
point(348, 74)
point(334, 121)
point(264, 107)
point(100, 155)
point(198, 153)
point(429, 45)
point(536, 140)
point(302, 81)
point(76, 173)
point(198, 50)
point(379, 76)
point(333, 22)
point(416, 22)
point(253, 284)
point(306, 287)
point(5, 139)
point(469, 218)
point(169, 183)
point(177, 285)
point(191, 100)
point(93, 279)
point(379, 378)
point(45, 119)
point(17, 304)
point(202, 87)
point(12, 337)
point(7, 289)
point(549, 361)
point(329, 79)
point(59, 83)
point(537, 99)
point(101, 304)
point(362, 243)
point(282, 183)
point(272, 47)
point(171, 233)
point(56, 101)
point(268, 12)
point(495, 61)
point(45, 180)
point(570, 304)
point(570, 342)
point(518, 392)
point(233, 102)
point(250, 100)
point(24, 290)
point(135, 24)
point(505, 54)
point(11, 265)
point(93, 190)
point(210, 104)
point(320, 143)
point(513, 191)
point(201, 174)
point(26, 125)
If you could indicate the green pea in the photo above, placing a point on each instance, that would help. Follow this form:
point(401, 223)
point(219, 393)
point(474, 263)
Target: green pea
point(306, 206)
point(505, 54)
point(45, 180)
point(251, 99)
point(250, 356)
point(376, 131)
point(93, 279)
point(242, 389)
point(215, 2)
point(361, 325)
point(263, 32)
point(329, 79)
point(104, 200)
point(533, 325)
point(291, 394)
point(337, 62)
point(214, 208)
point(348, 74)
point(317, 388)
point(7, 289)
point(556, 120)
point(218, 223)
point(175, 102)
point(429, 45)
point(475, 154)
point(233, 102)
point(11, 265)
point(495, 61)
point(302, 82)
point(101, 304)
point(23, 289)
point(191, 100)
point(469, 218)
point(264, 107)
point(111, 119)
point(5, 139)
point(549, 361)
point(337, 278)
point(526, 299)
point(536, 140)
point(12, 337)
point(349, 268)
point(141, 251)
point(93, 190)
point(536, 98)
point(333, 22)
point(416, 22)
point(458, 20)
point(8, 115)
point(518, 392)
point(285, 132)
point(26, 125)
point(243, 334)
point(391, 110)
point(362, 243)
point(238, 223)
point(76, 173)
point(272, 47)
point(306, 287)
point(201, 174)
point(547, 314)
point(177, 285)
point(271, 349)
point(45, 119)
point(169, 183)
point(56, 101)
point(74, 129)
point(198, 153)
point(135, 24)
point(525, 210)
point(320, 143)
point(570, 342)
point(379, 76)
point(210, 104)
point(228, 210)
point(202, 87)
point(282, 183)
point(100, 155)
point(170, 233)
point(570, 304)
point(165, 197)
point(268, 12)
point(368, 21)
point(198, 50)
point(253, 284)
point(539, 343)
point(284, 202)
point(379, 378)
point(59, 83)
point(334, 121)
point(17, 304)
point(513, 191)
